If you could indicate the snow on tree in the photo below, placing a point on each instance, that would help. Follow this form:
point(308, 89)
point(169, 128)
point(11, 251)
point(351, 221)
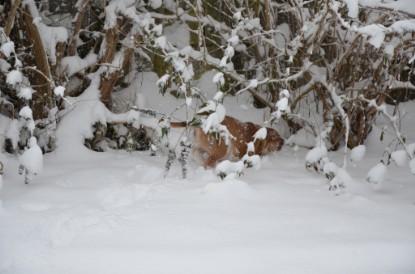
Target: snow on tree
point(14, 77)
point(7, 48)
point(59, 91)
point(317, 158)
point(377, 175)
point(227, 168)
point(26, 115)
point(399, 157)
point(25, 93)
point(358, 153)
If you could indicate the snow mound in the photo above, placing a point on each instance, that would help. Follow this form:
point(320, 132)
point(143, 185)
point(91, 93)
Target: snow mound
point(229, 190)
point(121, 195)
point(145, 174)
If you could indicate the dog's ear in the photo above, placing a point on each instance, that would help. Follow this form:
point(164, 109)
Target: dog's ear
point(274, 141)
point(260, 145)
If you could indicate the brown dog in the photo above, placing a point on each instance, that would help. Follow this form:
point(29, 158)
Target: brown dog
point(209, 151)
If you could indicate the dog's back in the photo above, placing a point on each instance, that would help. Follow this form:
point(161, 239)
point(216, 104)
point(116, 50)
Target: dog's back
point(209, 150)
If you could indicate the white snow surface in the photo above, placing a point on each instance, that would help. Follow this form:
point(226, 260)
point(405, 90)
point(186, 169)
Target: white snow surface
point(114, 212)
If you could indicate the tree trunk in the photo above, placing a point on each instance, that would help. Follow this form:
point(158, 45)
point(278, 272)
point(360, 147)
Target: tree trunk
point(108, 80)
point(77, 28)
point(10, 19)
point(43, 95)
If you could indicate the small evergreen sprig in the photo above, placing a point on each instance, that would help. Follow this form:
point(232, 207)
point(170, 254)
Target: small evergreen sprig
point(184, 156)
point(149, 112)
point(170, 158)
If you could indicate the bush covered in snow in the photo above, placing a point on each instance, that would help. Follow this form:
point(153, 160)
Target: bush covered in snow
point(323, 68)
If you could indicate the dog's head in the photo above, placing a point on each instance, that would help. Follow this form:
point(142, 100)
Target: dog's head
point(273, 141)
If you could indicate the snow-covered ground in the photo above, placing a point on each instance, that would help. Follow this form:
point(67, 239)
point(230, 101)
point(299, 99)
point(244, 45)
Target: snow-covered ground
point(114, 212)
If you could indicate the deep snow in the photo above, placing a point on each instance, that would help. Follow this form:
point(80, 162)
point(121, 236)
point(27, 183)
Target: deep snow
point(114, 212)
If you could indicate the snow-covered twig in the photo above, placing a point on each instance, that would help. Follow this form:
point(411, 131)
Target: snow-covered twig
point(150, 112)
point(170, 158)
point(338, 103)
point(186, 147)
point(391, 119)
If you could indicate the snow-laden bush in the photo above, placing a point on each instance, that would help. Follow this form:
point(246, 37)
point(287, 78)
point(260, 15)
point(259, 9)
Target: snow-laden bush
point(316, 159)
point(230, 169)
point(322, 67)
point(31, 161)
